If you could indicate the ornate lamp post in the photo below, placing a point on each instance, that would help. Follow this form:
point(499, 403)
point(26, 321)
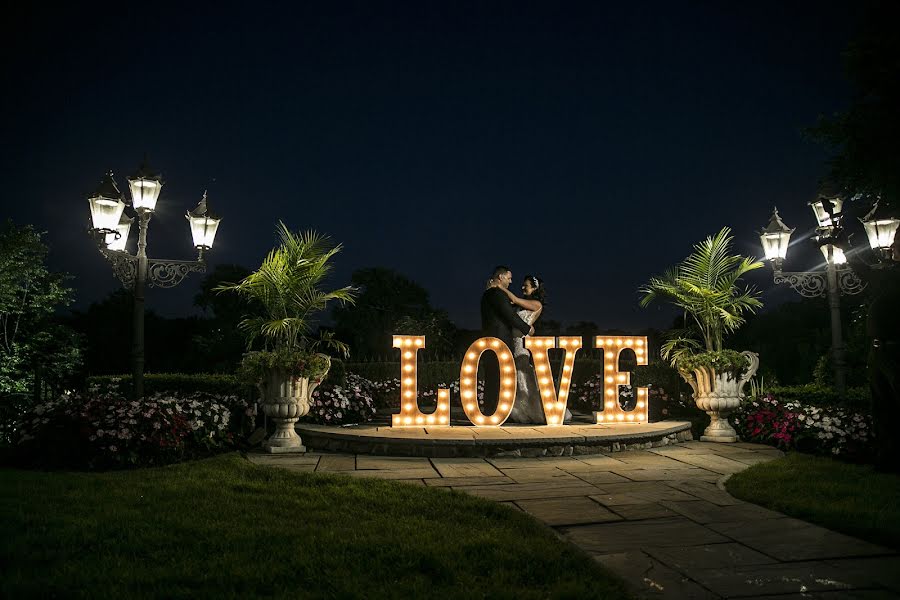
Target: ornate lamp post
point(111, 226)
point(837, 277)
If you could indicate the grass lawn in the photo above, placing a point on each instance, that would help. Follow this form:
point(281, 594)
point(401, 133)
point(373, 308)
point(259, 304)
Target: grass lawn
point(225, 528)
point(854, 499)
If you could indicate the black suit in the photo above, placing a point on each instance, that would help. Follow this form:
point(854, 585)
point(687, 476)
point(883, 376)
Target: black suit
point(499, 320)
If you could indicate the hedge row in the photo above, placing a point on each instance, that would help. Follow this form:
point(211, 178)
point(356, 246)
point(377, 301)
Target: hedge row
point(432, 374)
point(211, 383)
point(820, 395)
point(179, 383)
point(429, 374)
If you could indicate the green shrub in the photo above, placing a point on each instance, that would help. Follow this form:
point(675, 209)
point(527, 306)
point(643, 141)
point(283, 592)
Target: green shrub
point(820, 395)
point(178, 383)
point(337, 374)
point(12, 407)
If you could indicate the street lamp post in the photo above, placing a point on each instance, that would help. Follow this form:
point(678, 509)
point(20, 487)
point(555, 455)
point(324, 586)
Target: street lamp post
point(111, 226)
point(837, 277)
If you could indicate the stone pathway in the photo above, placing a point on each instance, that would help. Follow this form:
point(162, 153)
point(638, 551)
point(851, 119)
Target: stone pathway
point(657, 518)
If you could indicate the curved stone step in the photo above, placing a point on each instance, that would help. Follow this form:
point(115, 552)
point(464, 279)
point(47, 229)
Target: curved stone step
point(508, 440)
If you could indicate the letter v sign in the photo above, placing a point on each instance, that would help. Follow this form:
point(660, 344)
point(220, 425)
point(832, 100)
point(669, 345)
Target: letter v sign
point(539, 346)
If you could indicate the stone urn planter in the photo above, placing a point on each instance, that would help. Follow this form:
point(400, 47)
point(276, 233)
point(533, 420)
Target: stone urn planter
point(718, 394)
point(284, 400)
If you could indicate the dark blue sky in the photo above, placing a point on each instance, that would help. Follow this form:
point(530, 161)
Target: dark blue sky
point(589, 143)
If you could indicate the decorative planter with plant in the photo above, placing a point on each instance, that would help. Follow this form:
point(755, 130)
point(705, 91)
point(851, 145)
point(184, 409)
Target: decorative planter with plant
point(286, 295)
point(705, 286)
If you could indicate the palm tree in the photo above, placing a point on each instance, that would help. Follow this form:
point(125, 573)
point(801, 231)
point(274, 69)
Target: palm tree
point(705, 286)
point(287, 288)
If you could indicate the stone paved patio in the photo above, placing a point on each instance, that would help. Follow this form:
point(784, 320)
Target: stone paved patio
point(659, 518)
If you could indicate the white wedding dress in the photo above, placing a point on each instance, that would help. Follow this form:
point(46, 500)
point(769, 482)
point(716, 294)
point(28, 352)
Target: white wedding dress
point(527, 407)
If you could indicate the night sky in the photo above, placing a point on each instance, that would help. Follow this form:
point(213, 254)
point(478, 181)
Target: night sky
point(589, 143)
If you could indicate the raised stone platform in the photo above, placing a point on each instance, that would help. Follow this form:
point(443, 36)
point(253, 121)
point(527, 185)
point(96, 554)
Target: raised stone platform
point(509, 440)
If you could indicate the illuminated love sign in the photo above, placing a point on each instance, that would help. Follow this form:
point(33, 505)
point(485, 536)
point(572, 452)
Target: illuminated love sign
point(553, 401)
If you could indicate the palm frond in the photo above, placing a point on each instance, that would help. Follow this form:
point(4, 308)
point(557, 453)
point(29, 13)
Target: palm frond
point(704, 285)
point(287, 287)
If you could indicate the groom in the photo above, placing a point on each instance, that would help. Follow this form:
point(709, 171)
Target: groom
point(499, 320)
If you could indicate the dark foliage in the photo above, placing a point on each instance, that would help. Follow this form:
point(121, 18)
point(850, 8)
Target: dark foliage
point(864, 137)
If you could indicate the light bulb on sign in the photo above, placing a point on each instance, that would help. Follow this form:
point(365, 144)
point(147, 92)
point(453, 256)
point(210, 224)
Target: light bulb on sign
point(410, 415)
point(554, 408)
point(468, 385)
point(612, 349)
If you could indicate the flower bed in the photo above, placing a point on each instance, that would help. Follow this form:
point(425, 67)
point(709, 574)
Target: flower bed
point(351, 401)
point(103, 429)
point(832, 430)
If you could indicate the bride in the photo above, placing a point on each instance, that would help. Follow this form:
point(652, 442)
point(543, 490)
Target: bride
point(528, 407)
